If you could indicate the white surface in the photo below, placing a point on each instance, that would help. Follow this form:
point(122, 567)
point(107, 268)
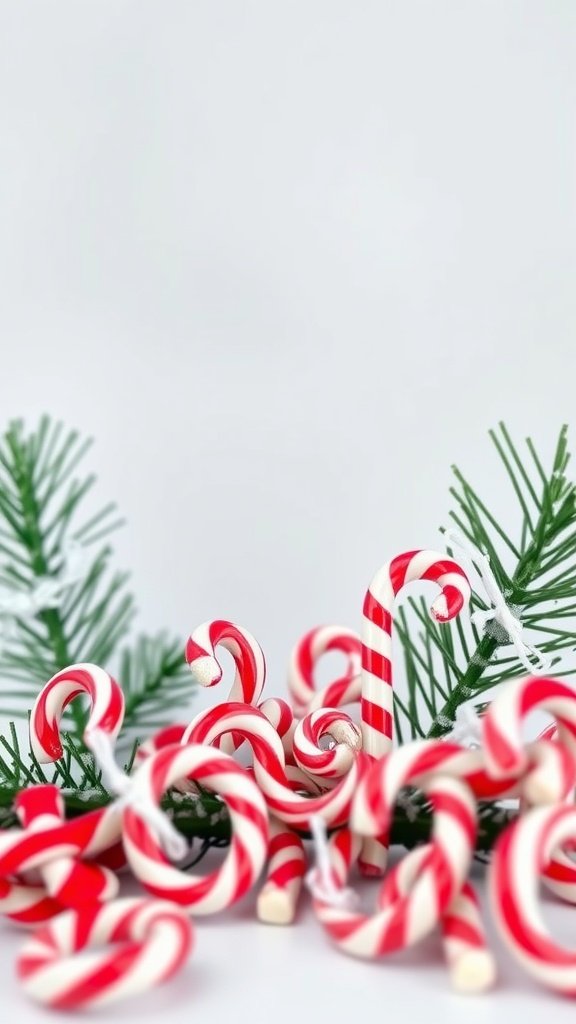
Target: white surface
point(287, 262)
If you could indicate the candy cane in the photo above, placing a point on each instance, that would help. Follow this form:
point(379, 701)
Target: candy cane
point(520, 855)
point(470, 962)
point(72, 883)
point(505, 750)
point(270, 768)
point(157, 939)
point(248, 818)
point(441, 876)
point(165, 737)
point(107, 711)
point(333, 762)
point(26, 903)
point(278, 898)
point(377, 698)
point(377, 788)
point(87, 836)
point(304, 658)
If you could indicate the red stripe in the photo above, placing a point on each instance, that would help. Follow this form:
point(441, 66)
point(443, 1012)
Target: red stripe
point(376, 717)
point(377, 664)
point(376, 612)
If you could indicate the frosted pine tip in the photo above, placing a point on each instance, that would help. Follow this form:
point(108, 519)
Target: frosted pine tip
point(206, 670)
point(473, 972)
point(275, 906)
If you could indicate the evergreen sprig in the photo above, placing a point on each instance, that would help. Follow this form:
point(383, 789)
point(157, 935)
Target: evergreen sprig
point(41, 522)
point(449, 665)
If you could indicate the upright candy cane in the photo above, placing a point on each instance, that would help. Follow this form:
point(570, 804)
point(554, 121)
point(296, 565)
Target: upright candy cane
point(106, 713)
point(377, 698)
point(520, 856)
point(155, 941)
point(304, 659)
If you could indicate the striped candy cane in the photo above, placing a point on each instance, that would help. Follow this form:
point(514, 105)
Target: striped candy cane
point(156, 939)
point(439, 879)
point(377, 788)
point(377, 698)
point(165, 737)
point(521, 854)
point(245, 650)
point(278, 898)
point(304, 658)
point(471, 964)
point(214, 770)
point(332, 762)
point(107, 710)
point(504, 747)
point(72, 883)
point(270, 768)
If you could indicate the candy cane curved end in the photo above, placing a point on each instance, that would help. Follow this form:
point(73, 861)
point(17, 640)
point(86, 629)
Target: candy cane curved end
point(520, 856)
point(505, 750)
point(106, 713)
point(157, 939)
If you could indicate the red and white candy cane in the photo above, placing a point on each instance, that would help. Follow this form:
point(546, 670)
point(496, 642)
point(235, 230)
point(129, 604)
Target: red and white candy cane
point(270, 768)
point(378, 786)
point(165, 737)
point(70, 881)
point(246, 855)
point(302, 669)
point(521, 854)
point(155, 940)
point(106, 713)
point(504, 747)
point(49, 847)
point(332, 762)
point(248, 659)
point(377, 697)
point(439, 878)
point(470, 962)
point(278, 897)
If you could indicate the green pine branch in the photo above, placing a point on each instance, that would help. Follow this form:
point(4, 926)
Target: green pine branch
point(535, 568)
point(42, 497)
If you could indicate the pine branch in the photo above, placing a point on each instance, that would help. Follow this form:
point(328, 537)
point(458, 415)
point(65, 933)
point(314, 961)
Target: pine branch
point(151, 670)
point(448, 665)
point(50, 616)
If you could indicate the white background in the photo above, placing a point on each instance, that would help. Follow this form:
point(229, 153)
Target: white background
point(286, 262)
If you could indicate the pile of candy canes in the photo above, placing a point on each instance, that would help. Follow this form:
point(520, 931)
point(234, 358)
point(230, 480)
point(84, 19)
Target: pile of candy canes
point(312, 770)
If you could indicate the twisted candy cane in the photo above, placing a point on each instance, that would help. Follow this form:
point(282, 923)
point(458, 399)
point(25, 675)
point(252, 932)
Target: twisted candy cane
point(335, 761)
point(440, 877)
point(521, 854)
point(378, 786)
point(468, 957)
point(70, 882)
point(278, 898)
point(304, 658)
point(244, 648)
point(505, 750)
point(165, 737)
point(270, 768)
point(377, 698)
point(157, 940)
point(248, 817)
point(107, 711)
